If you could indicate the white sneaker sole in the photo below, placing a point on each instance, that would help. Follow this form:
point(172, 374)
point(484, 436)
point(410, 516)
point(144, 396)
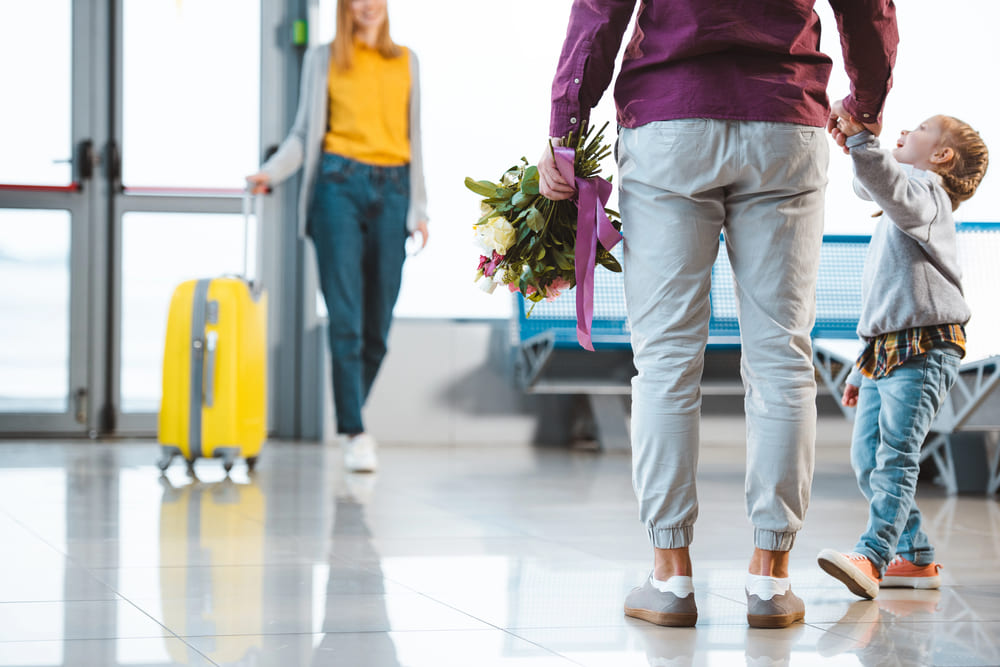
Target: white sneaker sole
point(840, 567)
point(920, 583)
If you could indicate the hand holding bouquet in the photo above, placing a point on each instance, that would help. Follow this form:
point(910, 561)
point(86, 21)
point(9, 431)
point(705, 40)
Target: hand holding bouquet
point(540, 247)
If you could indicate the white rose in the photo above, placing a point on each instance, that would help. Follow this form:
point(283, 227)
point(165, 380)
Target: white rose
point(486, 284)
point(496, 234)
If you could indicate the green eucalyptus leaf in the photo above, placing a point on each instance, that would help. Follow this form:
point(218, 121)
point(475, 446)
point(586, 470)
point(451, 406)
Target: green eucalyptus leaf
point(520, 200)
point(563, 260)
point(484, 188)
point(529, 184)
point(609, 262)
point(534, 219)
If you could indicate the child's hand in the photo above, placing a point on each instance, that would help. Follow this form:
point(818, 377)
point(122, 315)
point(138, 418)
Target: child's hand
point(850, 398)
point(842, 125)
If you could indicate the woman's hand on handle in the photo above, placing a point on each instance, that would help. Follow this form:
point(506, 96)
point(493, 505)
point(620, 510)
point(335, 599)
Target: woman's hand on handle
point(259, 183)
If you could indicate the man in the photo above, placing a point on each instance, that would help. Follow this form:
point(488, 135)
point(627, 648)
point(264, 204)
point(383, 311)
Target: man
point(721, 107)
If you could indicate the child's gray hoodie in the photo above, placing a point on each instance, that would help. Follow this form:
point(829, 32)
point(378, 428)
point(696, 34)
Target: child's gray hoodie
point(911, 276)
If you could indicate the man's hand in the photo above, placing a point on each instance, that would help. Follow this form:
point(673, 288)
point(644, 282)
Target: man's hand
point(842, 125)
point(850, 397)
point(551, 184)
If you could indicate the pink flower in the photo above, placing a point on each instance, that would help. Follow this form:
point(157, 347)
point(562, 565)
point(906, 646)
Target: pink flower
point(488, 265)
point(556, 288)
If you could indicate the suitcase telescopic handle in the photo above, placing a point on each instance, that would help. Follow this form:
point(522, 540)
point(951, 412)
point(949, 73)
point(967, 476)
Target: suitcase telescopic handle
point(253, 205)
point(211, 343)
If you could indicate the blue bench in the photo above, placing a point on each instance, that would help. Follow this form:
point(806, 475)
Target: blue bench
point(974, 404)
point(551, 325)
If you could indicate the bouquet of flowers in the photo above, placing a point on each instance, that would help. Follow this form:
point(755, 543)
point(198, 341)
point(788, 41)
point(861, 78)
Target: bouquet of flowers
point(530, 243)
point(540, 247)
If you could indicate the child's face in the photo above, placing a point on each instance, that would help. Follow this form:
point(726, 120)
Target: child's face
point(917, 146)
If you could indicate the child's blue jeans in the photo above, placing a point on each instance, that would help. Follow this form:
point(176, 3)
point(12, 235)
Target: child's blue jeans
point(893, 418)
point(357, 222)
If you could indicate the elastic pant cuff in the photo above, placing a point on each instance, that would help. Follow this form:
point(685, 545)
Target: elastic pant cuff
point(769, 540)
point(671, 538)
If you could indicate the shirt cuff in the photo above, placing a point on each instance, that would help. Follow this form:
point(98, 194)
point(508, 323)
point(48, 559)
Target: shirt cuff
point(863, 113)
point(565, 119)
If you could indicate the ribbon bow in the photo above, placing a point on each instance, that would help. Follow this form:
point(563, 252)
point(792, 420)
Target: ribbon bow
point(592, 223)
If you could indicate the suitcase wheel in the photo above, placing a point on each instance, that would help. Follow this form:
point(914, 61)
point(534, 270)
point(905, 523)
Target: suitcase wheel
point(251, 463)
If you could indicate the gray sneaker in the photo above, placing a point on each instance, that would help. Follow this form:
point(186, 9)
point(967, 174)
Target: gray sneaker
point(647, 603)
point(778, 612)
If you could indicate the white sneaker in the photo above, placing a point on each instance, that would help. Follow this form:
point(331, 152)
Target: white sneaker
point(359, 453)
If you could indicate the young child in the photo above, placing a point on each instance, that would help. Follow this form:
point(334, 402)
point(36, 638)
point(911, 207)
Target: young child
point(912, 320)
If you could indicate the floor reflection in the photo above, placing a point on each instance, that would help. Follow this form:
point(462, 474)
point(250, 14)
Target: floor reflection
point(205, 527)
point(906, 628)
point(447, 557)
point(374, 648)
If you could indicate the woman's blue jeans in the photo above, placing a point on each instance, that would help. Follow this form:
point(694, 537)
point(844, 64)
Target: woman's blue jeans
point(357, 221)
point(894, 417)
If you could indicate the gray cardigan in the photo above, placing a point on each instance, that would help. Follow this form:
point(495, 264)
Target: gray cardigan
point(304, 144)
point(911, 276)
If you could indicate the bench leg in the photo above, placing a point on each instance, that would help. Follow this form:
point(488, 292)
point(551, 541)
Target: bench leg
point(611, 421)
point(533, 357)
point(993, 444)
point(939, 449)
point(824, 364)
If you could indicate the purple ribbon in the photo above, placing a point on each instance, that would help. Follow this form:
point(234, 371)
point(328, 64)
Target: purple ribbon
point(592, 223)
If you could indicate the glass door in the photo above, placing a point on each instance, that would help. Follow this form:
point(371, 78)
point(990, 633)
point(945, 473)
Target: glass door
point(188, 91)
point(47, 164)
point(127, 130)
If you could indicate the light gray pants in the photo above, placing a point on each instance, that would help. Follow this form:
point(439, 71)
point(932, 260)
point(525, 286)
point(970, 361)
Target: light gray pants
point(683, 183)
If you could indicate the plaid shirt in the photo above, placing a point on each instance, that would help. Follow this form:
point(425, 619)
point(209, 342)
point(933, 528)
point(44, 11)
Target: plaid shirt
point(887, 351)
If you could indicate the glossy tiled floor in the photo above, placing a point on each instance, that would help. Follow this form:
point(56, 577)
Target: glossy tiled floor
point(466, 557)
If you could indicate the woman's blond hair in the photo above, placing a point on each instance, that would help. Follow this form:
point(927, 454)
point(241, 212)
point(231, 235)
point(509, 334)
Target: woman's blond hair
point(963, 173)
point(343, 41)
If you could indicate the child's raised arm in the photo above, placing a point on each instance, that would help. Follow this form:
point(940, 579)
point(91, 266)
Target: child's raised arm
point(909, 202)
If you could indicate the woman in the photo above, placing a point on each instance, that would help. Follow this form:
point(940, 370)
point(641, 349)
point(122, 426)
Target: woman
point(357, 136)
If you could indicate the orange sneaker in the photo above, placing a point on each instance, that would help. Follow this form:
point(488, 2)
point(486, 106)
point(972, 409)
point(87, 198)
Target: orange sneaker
point(853, 570)
point(901, 573)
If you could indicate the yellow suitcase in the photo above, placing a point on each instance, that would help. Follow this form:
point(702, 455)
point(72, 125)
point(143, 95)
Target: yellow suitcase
point(214, 373)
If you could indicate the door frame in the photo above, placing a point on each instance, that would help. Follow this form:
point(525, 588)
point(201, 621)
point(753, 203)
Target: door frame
point(96, 206)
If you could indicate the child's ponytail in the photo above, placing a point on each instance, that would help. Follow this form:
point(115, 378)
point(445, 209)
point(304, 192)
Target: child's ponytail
point(964, 172)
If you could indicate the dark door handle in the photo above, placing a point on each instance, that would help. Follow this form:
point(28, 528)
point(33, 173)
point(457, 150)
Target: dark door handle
point(114, 162)
point(85, 160)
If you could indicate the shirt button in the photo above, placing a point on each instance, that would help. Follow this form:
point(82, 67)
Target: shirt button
point(573, 120)
point(576, 81)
